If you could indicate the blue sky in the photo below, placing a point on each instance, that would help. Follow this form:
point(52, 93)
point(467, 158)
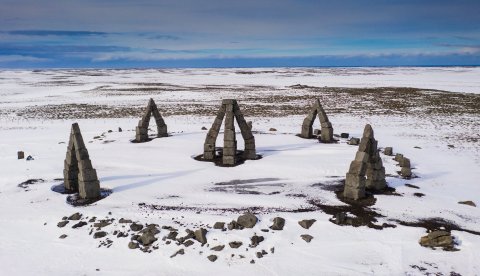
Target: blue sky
point(246, 33)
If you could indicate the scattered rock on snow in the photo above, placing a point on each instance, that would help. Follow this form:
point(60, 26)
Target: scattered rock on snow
point(99, 234)
point(235, 244)
point(63, 236)
point(388, 151)
point(259, 255)
point(468, 202)
point(136, 227)
point(204, 128)
point(179, 252)
point(187, 243)
point(79, 224)
point(306, 237)
point(132, 245)
point(75, 216)
point(247, 220)
point(218, 248)
point(201, 235)
point(278, 223)
point(256, 240)
point(122, 220)
point(147, 238)
point(353, 141)
point(212, 258)
point(306, 223)
point(62, 223)
point(272, 129)
point(344, 135)
point(219, 225)
point(437, 239)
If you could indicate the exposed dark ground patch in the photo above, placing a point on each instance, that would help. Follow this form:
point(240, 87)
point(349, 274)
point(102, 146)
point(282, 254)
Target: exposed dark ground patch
point(247, 186)
point(432, 224)
point(76, 201)
point(219, 155)
point(26, 184)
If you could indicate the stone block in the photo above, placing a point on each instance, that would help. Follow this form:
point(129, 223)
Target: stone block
point(162, 131)
point(229, 151)
point(405, 162)
point(357, 168)
point(20, 155)
point(326, 125)
point(229, 160)
point(87, 175)
point(141, 130)
point(229, 135)
point(344, 135)
point(353, 141)
point(377, 185)
point(316, 132)
point(70, 174)
point(398, 157)
point(250, 154)
point(71, 185)
point(228, 101)
point(250, 125)
point(388, 151)
point(84, 165)
point(326, 135)
point(406, 172)
point(356, 181)
point(82, 154)
point(89, 189)
point(209, 155)
point(230, 144)
point(361, 156)
point(208, 147)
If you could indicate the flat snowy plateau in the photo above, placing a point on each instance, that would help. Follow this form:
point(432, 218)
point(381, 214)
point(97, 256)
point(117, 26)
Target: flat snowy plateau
point(431, 115)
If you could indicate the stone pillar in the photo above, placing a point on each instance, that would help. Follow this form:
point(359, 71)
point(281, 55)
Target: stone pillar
point(210, 140)
point(355, 181)
point(250, 150)
point(79, 175)
point(229, 139)
point(372, 168)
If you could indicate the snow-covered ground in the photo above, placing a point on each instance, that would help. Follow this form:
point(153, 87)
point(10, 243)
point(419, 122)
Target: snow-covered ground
point(160, 182)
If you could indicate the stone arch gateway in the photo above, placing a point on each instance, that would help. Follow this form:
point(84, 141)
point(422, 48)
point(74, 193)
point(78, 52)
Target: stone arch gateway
point(230, 111)
point(141, 130)
point(79, 174)
point(326, 132)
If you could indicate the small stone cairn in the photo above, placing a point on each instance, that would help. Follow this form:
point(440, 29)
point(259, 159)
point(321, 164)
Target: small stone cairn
point(79, 175)
point(405, 166)
point(230, 110)
point(326, 131)
point(142, 128)
point(366, 171)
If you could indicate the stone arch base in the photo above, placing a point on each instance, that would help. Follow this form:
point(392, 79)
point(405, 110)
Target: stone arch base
point(142, 128)
point(79, 175)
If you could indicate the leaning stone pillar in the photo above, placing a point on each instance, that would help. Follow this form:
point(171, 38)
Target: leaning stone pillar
point(86, 182)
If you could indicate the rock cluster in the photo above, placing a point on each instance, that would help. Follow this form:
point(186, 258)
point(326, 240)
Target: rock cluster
point(142, 128)
point(438, 238)
point(405, 166)
point(79, 175)
point(367, 163)
point(326, 132)
point(231, 111)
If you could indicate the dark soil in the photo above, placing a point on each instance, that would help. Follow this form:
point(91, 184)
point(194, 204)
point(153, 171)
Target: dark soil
point(432, 224)
point(26, 184)
point(219, 155)
point(76, 201)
